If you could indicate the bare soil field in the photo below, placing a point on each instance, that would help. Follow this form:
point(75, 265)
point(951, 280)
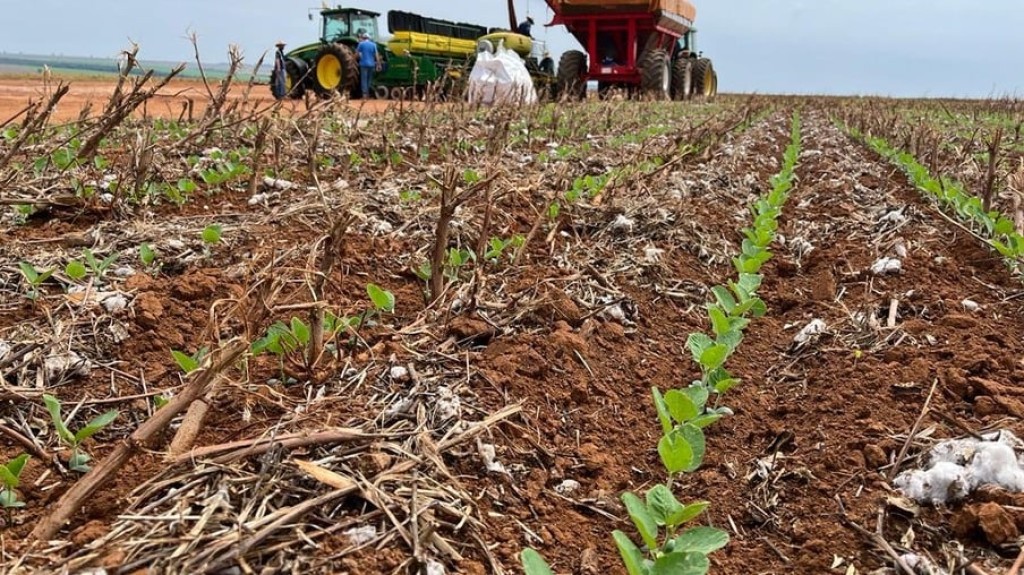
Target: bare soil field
point(172, 101)
point(423, 340)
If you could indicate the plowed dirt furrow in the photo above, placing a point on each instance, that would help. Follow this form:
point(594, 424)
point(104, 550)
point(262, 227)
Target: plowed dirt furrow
point(819, 425)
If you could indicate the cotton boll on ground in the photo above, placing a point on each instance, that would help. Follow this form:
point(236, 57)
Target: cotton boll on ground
point(942, 483)
point(958, 467)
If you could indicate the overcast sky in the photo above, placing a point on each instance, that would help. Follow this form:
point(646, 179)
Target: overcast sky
point(888, 47)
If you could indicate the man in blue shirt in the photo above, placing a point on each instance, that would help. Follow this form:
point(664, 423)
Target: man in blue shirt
point(526, 27)
point(369, 62)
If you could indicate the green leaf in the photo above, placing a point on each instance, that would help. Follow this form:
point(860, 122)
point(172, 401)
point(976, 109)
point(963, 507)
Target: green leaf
point(8, 478)
point(146, 254)
point(698, 394)
point(688, 513)
point(676, 453)
point(382, 299)
point(301, 331)
point(680, 406)
point(98, 423)
point(698, 343)
point(1004, 226)
point(720, 323)
point(663, 504)
point(714, 356)
point(534, 564)
point(212, 234)
point(632, 558)
point(724, 385)
point(186, 362)
point(53, 406)
point(15, 466)
point(750, 282)
point(706, 420)
point(29, 272)
point(694, 438)
point(732, 339)
point(701, 540)
point(108, 261)
point(676, 563)
point(724, 298)
point(75, 270)
point(662, 408)
point(645, 522)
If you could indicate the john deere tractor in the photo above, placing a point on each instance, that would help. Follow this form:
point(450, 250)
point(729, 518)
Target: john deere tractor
point(421, 52)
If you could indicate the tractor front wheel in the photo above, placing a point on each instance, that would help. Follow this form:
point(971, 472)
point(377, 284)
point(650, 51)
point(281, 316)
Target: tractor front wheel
point(335, 70)
point(655, 74)
point(571, 77)
point(682, 79)
point(705, 80)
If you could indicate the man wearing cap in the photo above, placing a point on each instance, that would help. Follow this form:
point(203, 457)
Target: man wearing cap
point(369, 62)
point(525, 27)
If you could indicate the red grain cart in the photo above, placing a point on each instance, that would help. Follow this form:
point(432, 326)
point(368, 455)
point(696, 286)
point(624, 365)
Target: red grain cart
point(641, 45)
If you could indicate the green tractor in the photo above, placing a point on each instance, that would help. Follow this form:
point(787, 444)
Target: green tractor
point(422, 52)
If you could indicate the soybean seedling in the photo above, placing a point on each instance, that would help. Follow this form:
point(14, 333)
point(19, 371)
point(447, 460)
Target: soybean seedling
point(79, 458)
point(147, 255)
point(99, 267)
point(212, 234)
point(382, 299)
point(10, 476)
point(35, 279)
point(189, 363)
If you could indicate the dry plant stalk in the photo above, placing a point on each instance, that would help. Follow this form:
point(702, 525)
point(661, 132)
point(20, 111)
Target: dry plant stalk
point(36, 116)
point(993, 163)
point(1015, 183)
point(451, 199)
point(120, 106)
point(333, 244)
point(142, 437)
point(257, 154)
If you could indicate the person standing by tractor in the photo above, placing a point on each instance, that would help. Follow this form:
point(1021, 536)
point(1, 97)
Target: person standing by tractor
point(369, 62)
point(526, 27)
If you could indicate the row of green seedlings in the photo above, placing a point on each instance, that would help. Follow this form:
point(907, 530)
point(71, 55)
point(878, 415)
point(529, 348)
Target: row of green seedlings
point(90, 265)
point(997, 229)
point(590, 186)
point(291, 340)
point(224, 168)
point(667, 546)
point(10, 473)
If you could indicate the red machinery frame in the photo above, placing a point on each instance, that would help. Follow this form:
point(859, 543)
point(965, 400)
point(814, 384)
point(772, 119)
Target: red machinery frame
point(629, 31)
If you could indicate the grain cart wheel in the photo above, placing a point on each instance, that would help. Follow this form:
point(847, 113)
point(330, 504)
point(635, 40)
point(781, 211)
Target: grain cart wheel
point(703, 78)
point(572, 70)
point(655, 74)
point(334, 70)
point(682, 79)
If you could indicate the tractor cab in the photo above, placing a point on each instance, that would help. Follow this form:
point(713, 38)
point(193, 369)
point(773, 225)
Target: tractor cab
point(687, 44)
point(344, 25)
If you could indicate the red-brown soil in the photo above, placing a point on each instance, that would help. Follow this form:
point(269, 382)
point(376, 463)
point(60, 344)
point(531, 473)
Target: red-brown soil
point(576, 335)
point(171, 102)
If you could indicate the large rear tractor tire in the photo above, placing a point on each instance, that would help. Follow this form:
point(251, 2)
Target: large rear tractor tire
point(705, 81)
point(335, 70)
point(682, 79)
point(571, 78)
point(655, 74)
